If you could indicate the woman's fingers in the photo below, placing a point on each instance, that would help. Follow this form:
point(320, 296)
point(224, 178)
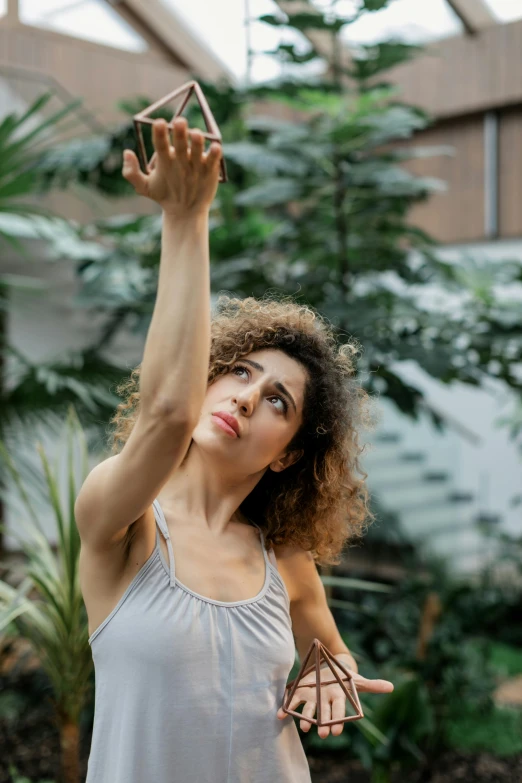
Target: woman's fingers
point(326, 715)
point(179, 175)
point(214, 154)
point(132, 173)
point(334, 709)
point(373, 686)
point(338, 712)
point(196, 146)
point(308, 711)
point(161, 141)
point(180, 138)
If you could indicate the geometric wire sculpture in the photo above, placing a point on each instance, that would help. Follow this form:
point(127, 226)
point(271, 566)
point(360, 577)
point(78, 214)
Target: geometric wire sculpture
point(330, 659)
point(186, 90)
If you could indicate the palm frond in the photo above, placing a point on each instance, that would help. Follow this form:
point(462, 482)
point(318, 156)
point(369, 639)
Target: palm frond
point(54, 622)
point(21, 139)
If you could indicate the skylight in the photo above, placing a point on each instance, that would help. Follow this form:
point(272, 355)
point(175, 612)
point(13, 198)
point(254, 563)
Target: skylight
point(92, 20)
point(409, 21)
point(506, 10)
point(222, 26)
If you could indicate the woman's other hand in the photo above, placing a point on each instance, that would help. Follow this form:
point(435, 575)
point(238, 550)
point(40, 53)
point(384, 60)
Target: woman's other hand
point(182, 179)
point(333, 698)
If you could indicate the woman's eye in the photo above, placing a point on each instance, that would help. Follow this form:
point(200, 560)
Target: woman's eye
point(273, 397)
point(285, 406)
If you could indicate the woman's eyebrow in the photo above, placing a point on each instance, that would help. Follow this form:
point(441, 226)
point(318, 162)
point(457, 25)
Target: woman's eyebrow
point(279, 386)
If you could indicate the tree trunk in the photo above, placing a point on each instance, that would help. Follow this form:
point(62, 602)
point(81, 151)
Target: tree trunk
point(431, 612)
point(70, 751)
point(3, 342)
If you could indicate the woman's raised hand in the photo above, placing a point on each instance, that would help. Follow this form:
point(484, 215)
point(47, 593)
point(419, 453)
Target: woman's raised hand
point(183, 179)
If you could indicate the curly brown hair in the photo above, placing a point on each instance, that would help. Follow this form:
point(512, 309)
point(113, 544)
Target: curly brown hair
point(321, 501)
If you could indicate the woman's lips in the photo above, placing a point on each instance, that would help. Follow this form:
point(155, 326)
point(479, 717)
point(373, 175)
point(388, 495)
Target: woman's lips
point(224, 426)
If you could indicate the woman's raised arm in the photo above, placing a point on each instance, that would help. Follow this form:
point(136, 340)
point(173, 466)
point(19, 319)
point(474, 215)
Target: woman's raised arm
point(183, 182)
point(174, 370)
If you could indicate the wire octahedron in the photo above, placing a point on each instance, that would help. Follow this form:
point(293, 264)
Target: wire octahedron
point(186, 91)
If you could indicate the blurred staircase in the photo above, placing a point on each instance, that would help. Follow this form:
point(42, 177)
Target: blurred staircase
point(413, 473)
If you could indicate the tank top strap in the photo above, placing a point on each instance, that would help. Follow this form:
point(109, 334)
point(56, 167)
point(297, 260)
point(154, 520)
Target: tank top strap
point(162, 524)
point(272, 558)
point(270, 553)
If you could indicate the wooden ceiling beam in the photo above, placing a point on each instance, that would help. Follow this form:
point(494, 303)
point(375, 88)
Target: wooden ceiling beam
point(172, 32)
point(475, 15)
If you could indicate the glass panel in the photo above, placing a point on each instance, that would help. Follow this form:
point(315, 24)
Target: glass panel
point(405, 20)
point(92, 20)
point(506, 10)
point(3, 7)
point(221, 27)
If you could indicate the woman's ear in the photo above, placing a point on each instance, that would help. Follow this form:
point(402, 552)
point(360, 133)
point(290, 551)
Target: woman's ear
point(284, 462)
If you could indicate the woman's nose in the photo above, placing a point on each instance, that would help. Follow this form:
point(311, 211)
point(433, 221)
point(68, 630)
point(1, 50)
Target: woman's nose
point(247, 401)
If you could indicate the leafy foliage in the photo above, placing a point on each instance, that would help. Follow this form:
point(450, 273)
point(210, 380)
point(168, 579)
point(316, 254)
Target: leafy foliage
point(18, 779)
point(47, 607)
point(498, 730)
point(40, 393)
point(318, 205)
point(22, 139)
point(35, 392)
point(321, 206)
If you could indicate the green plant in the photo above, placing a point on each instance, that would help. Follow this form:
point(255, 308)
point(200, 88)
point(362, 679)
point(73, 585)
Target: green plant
point(444, 691)
point(47, 607)
point(318, 205)
point(23, 138)
point(17, 779)
point(505, 659)
point(496, 730)
point(34, 392)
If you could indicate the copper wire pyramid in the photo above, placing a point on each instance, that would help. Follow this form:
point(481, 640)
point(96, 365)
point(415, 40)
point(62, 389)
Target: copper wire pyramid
point(330, 659)
point(186, 91)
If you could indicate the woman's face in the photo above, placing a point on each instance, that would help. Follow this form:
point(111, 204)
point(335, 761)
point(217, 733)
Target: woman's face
point(264, 391)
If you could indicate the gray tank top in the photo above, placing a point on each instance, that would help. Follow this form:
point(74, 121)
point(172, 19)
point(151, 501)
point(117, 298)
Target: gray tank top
point(187, 688)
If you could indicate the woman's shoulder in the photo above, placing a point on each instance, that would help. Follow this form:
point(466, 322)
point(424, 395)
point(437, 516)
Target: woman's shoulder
point(297, 567)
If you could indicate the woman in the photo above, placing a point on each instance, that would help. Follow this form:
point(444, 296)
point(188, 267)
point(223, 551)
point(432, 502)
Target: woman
point(234, 470)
